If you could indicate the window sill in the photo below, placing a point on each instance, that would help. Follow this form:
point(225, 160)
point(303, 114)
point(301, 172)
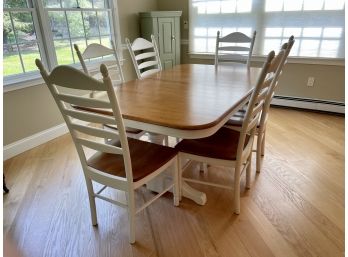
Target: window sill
point(21, 82)
point(301, 60)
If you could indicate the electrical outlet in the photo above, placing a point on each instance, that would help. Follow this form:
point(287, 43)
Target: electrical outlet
point(310, 82)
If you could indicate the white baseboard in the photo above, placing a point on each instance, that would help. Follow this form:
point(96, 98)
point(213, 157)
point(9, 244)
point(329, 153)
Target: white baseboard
point(32, 141)
point(311, 104)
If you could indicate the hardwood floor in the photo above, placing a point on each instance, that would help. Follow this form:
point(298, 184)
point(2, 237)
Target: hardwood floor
point(295, 206)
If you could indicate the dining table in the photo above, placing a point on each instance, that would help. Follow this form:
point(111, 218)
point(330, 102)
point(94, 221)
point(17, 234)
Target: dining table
point(187, 101)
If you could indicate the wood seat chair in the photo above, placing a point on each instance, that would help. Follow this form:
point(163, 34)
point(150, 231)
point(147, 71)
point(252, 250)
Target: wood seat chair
point(234, 52)
point(145, 56)
point(94, 51)
point(125, 165)
point(228, 147)
point(146, 61)
point(237, 120)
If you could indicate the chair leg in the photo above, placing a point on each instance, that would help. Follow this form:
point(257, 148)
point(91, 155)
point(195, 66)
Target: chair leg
point(237, 190)
point(92, 201)
point(258, 152)
point(248, 172)
point(176, 178)
point(263, 144)
point(131, 216)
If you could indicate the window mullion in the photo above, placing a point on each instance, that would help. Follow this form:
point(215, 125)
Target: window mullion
point(115, 26)
point(46, 35)
point(96, 14)
point(84, 27)
point(18, 48)
point(71, 47)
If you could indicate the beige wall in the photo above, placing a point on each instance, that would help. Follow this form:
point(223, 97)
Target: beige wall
point(329, 79)
point(31, 110)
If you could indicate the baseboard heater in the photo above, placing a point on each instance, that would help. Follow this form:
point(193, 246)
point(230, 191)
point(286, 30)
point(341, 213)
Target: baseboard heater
point(308, 103)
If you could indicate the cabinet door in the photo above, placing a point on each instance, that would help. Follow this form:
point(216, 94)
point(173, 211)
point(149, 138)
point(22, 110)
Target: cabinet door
point(166, 33)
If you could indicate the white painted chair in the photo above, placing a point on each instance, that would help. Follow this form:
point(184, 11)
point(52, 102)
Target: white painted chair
point(146, 61)
point(125, 165)
point(237, 120)
point(145, 56)
point(114, 66)
point(228, 147)
point(234, 52)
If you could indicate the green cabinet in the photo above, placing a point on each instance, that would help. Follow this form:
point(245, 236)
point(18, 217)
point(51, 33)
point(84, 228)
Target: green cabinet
point(165, 26)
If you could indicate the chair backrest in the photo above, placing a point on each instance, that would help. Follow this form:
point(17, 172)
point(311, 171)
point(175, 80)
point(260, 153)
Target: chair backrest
point(97, 51)
point(277, 66)
point(86, 127)
point(234, 53)
point(145, 56)
point(254, 108)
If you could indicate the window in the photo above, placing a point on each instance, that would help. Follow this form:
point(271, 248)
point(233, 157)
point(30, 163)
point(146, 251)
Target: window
point(318, 25)
point(20, 41)
point(80, 22)
point(63, 24)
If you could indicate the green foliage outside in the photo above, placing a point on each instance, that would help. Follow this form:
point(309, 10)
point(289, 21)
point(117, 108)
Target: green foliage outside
point(25, 33)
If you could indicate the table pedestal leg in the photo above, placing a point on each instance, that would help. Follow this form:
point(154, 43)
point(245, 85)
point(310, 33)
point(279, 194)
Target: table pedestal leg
point(193, 194)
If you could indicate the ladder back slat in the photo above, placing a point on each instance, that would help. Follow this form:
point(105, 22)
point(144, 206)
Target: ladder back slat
point(87, 102)
point(97, 132)
point(234, 48)
point(96, 50)
point(147, 64)
point(149, 72)
point(91, 117)
point(77, 79)
point(257, 109)
point(145, 55)
point(100, 146)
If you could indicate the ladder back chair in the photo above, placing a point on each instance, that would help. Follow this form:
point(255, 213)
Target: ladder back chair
point(235, 52)
point(227, 147)
point(94, 51)
point(128, 163)
point(146, 61)
point(145, 56)
point(114, 66)
point(236, 121)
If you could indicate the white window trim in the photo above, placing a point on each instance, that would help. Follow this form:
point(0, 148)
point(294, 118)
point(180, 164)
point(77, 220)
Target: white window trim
point(33, 78)
point(299, 60)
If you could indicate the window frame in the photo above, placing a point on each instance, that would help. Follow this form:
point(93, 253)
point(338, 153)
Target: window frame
point(46, 43)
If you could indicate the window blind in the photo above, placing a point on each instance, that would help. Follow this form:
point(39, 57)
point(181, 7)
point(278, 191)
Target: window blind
point(318, 25)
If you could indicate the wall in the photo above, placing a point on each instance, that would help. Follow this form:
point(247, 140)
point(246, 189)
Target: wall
point(31, 110)
point(329, 79)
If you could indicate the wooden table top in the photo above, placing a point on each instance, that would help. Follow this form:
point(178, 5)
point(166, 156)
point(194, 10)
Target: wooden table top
point(188, 97)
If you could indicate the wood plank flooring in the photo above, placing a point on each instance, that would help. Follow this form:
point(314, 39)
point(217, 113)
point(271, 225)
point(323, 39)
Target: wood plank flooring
point(295, 206)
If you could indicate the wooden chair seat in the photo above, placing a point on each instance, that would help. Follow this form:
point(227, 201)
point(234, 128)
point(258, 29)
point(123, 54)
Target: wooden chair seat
point(145, 157)
point(222, 145)
point(128, 129)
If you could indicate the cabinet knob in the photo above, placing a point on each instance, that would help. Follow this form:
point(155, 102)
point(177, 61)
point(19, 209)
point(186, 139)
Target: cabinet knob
point(173, 37)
